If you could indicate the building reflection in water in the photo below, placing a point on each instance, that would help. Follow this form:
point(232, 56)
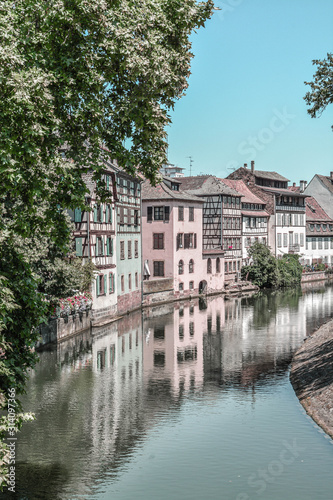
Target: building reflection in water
point(102, 394)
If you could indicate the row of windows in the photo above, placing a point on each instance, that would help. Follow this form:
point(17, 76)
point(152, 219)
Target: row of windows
point(129, 216)
point(252, 206)
point(231, 202)
point(249, 241)
point(232, 266)
point(290, 219)
point(129, 249)
point(328, 243)
point(127, 187)
point(232, 243)
point(102, 281)
point(107, 281)
point(255, 222)
point(291, 239)
point(181, 266)
point(231, 223)
point(160, 213)
point(217, 265)
point(102, 213)
point(290, 200)
point(129, 282)
point(319, 227)
point(186, 240)
point(103, 246)
point(190, 286)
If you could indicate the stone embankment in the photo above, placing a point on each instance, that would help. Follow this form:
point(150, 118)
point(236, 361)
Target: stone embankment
point(312, 376)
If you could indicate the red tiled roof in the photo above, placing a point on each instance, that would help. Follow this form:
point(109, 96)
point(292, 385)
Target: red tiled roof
point(314, 212)
point(241, 187)
point(295, 189)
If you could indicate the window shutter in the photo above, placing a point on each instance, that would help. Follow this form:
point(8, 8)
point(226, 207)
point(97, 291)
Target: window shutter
point(149, 214)
point(77, 215)
point(167, 214)
point(96, 249)
point(97, 285)
point(110, 282)
point(106, 213)
point(78, 246)
point(105, 283)
point(111, 249)
point(107, 182)
point(102, 242)
point(95, 213)
point(107, 246)
point(195, 240)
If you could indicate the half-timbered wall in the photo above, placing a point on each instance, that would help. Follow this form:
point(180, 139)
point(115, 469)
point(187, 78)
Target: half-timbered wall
point(95, 239)
point(128, 220)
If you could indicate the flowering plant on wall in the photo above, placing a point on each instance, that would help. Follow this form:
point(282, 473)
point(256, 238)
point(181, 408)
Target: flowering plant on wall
point(80, 302)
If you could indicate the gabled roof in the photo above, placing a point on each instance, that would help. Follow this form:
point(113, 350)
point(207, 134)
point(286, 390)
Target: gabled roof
point(202, 185)
point(327, 181)
point(241, 187)
point(163, 192)
point(315, 212)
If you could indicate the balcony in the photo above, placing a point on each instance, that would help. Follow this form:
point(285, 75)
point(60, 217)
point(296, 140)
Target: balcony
point(290, 208)
point(295, 248)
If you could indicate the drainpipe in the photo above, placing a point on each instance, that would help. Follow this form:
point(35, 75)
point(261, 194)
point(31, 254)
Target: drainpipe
point(141, 247)
point(221, 196)
point(88, 226)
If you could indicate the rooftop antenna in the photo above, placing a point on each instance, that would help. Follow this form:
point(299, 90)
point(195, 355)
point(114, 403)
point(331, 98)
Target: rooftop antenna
point(191, 161)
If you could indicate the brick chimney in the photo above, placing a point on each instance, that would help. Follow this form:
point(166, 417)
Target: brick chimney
point(302, 186)
point(245, 165)
point(294, 184)
point(331, 175)
point(252, 166)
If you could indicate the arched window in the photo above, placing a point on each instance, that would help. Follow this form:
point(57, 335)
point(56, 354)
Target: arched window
point(209, 266)
point(181, 267)
point(191, 266)
point(218, 267)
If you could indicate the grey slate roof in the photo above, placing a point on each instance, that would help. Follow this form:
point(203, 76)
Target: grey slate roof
point(202, 185)
point(162, 192)
point(270, 175)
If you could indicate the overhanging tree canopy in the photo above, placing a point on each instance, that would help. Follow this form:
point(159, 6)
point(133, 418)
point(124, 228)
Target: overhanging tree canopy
point(321, 93)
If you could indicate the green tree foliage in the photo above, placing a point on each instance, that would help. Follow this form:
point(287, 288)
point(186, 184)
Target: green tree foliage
point(263, 270)
point(289, 271)
point(80, 81)
point(268, 272)
point(321, 93)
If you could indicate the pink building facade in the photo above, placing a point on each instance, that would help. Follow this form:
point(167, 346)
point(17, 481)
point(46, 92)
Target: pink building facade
point(172, 247)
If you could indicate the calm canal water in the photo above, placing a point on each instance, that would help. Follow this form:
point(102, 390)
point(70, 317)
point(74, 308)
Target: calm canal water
point(192, 401)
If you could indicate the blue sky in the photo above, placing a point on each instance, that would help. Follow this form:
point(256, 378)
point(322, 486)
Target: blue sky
point(245, 96)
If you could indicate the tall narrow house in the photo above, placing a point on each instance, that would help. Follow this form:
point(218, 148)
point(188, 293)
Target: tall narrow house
point(222, 230)
point(109, 235)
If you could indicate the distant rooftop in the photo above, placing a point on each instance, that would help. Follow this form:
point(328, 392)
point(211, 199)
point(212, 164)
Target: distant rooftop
point(201, 185)
point(241, 187)
point(163, 192)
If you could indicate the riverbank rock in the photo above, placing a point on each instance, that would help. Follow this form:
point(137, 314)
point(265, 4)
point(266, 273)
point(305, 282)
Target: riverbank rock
point(312, 376)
